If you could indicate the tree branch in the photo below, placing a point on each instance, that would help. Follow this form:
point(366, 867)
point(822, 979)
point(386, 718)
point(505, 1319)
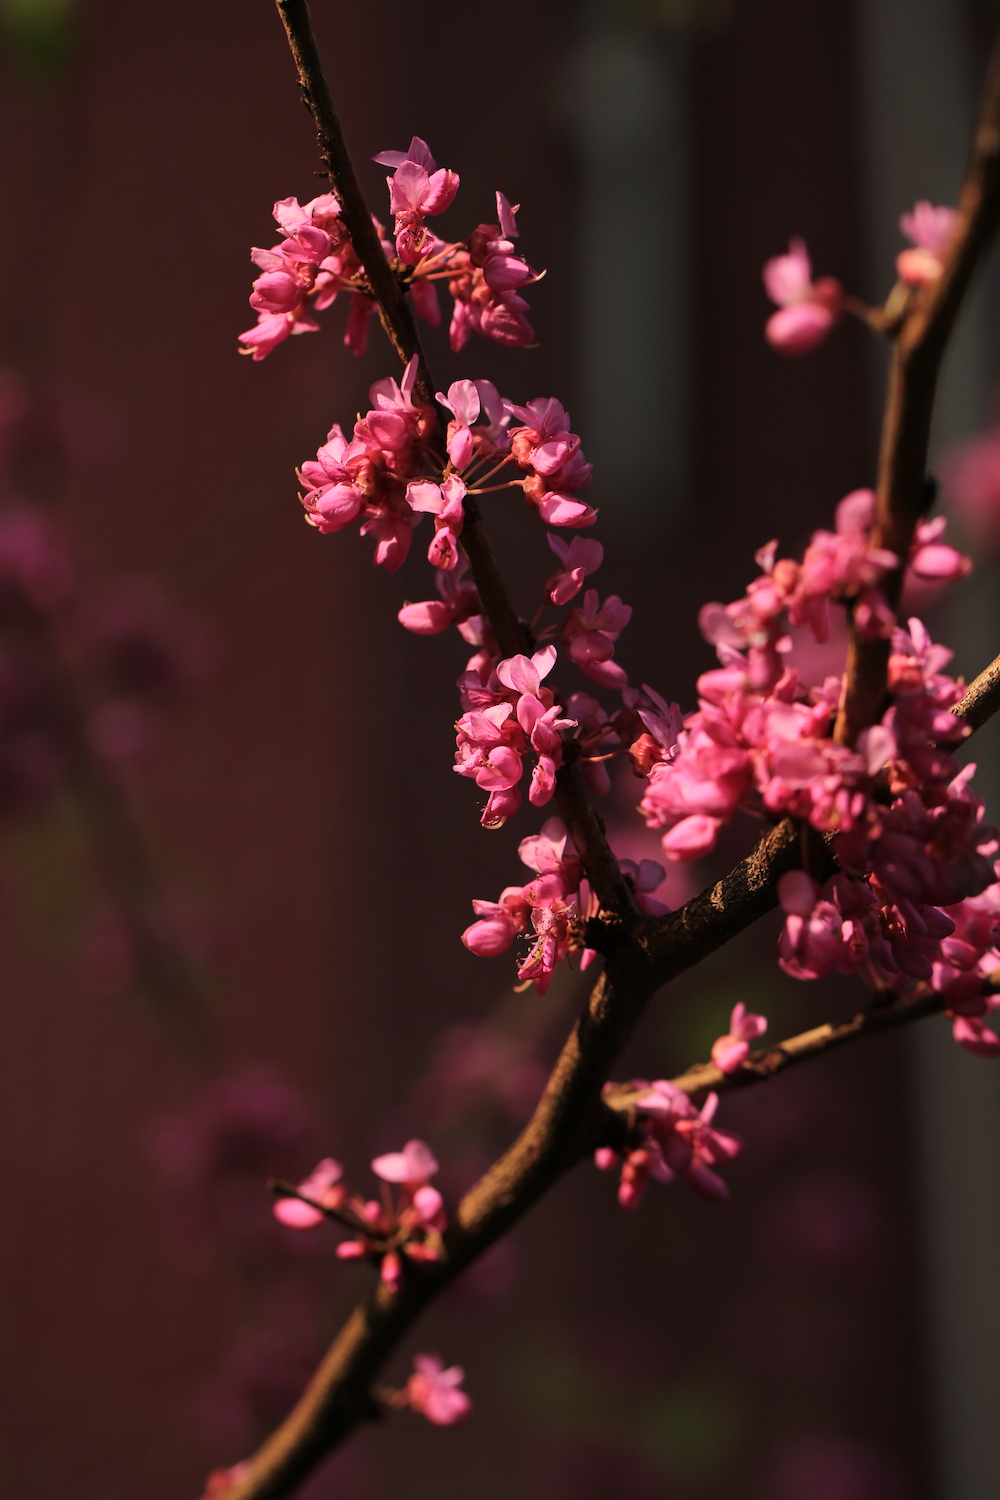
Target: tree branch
point(920, 344)
point(982, 699)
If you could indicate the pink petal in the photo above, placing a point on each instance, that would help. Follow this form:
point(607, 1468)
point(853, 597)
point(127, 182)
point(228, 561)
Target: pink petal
point(691, 838)
point(428, 618)
point(798, 329)
point(295, 1214)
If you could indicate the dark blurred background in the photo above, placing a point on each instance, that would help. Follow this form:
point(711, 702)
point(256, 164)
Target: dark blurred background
point(832, 1333)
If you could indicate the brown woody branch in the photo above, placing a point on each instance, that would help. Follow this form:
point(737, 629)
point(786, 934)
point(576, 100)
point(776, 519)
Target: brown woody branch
point(982, 698)
point(920, 343)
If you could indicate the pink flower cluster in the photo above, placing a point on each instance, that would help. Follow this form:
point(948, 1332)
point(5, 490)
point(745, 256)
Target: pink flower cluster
point(674, 1140)
point(418, 189)
point(916, 898)
point(760, 736)
point(391, 472)
point(483, 278)
point(302, 275)
point(368, 476)
point(315, 260)
point(553, 907)
point(553, 460)
point(387, 1233)
point(548, 907)
point(506, 719)
point(431, 1390)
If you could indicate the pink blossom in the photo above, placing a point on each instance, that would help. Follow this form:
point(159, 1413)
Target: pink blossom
point(555, 466)
point(434, 1391)
point(579, 558)
point(676, 1139)
point(499, 923)
point(797, 892)
point(590, 633)
point(486, 274)
point(221, 1480)
point(844, 561)
point(972, 1033)
point(808, 309)
point(444, 502)
point(413, 1166)
point(550, 903)
point(322, 1186)
point(523, 674)
point(934, 559)
point(729, 1051)
point(692, 837)
point(463, 402)
point(930, 228)
point(302, 274)
point(459, 602)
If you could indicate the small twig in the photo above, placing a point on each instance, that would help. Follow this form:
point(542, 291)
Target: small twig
point(344, 1216)
point(982, 698)
point(767, 1062)
point(920, 344)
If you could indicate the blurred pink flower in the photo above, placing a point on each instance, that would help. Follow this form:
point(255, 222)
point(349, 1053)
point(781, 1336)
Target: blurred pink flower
point(434, 1391)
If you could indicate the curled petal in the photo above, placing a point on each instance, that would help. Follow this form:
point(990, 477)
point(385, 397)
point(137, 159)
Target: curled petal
point(691, 838)
point(427, 618)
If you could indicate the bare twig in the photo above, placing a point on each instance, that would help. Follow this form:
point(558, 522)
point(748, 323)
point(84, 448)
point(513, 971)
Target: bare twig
point(920, 344)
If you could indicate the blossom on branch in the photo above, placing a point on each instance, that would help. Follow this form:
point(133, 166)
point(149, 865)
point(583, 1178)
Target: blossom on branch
point(417, 188)
point(734, 1048)
point(434, 1391)
point(930, 229)
point(673, 1139)
point(807, 309)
